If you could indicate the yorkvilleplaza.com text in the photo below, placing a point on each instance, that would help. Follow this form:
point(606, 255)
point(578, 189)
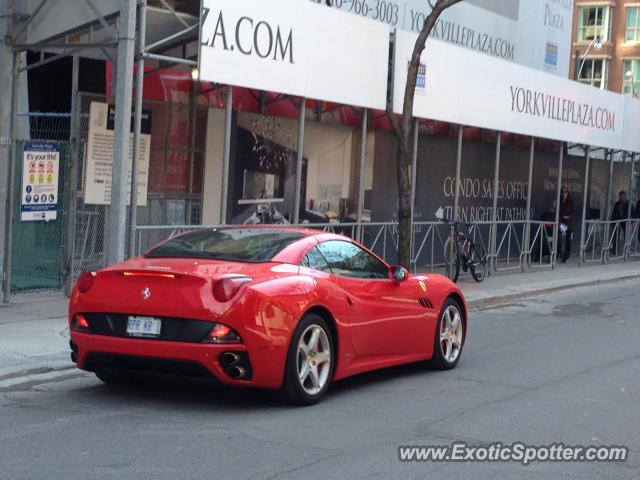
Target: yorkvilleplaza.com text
point(516, 452)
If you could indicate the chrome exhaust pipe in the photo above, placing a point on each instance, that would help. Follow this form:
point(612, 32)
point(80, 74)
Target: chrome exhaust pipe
point(236, 372)
point(230, 358)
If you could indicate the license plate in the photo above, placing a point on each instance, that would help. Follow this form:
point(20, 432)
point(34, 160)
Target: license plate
point(144, 327)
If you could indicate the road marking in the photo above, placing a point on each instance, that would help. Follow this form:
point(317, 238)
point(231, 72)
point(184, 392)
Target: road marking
point(39, 378)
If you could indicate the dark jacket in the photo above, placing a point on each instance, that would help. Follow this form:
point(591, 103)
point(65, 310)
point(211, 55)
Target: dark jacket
point(566, 212)
point(620, 210)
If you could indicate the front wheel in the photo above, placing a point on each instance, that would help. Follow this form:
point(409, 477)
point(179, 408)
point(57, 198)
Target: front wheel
point(310, 362)
point(478, 263)
point(449, 336)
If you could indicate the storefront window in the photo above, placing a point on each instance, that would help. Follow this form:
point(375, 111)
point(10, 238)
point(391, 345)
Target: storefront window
point(594, 21)
point(262, 178)
point(594, 72)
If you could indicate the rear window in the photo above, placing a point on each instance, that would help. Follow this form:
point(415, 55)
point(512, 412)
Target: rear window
point(234, 244)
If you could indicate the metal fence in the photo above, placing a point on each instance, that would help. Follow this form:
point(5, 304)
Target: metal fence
point(519, 245)
point(428, 246)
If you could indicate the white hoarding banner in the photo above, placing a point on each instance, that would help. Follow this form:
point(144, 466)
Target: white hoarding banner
point(631, 125)
point(40, 167)
point(460, 86)
point(295, 47)
point(535, 33)
point(99, 157)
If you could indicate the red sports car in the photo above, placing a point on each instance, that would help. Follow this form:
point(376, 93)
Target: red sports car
point(270, 307)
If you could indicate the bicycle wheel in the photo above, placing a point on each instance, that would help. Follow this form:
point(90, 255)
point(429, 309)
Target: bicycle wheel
point(452, 260)
point(478, 263)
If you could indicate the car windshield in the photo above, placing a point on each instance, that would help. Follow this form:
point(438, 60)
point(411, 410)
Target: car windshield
point(234, 244)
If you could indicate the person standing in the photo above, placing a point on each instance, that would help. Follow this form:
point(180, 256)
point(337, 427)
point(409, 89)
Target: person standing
point(566, 218)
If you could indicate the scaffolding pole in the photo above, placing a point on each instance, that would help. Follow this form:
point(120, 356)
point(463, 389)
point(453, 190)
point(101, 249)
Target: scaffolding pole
point(8, 240)
point(585, 199)
point(556, 236)
point(72, 178)
point(119, 174)
point(137, 127)
point(361, 172)
point(298, 185)
point(494, 211)
point(228, 114)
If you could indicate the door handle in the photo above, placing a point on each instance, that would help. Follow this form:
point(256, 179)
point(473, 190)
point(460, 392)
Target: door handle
point(349, 301)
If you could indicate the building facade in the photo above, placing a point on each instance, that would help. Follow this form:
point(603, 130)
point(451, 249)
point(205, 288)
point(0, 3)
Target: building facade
point(606, 45)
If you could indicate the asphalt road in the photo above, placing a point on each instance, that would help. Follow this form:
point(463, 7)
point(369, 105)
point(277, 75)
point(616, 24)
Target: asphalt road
point(559, 368)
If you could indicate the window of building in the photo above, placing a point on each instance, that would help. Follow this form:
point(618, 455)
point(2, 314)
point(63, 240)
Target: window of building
point(593, 21)
point(633, 24)
point(594, 72)
point(631, 81)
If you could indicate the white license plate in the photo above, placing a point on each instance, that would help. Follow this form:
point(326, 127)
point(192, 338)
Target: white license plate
point(144, 327)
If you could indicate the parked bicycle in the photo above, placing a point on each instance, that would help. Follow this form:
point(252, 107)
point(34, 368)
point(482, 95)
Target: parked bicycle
point(464, 253)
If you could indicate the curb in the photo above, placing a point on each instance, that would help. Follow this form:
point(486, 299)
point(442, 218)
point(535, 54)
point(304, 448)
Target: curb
point(484, 303)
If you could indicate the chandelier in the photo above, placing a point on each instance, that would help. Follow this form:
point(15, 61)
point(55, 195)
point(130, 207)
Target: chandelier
point(272, 142)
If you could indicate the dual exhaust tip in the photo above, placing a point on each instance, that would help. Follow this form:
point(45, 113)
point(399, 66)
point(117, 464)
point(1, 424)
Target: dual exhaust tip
point(230, 362)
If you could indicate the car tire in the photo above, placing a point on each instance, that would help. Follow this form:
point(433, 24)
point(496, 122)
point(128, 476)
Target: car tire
point(309, 367)
point(449, 336)
point(114, 378)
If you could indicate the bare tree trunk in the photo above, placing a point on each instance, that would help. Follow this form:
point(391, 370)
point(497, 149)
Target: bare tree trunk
point(403, 129)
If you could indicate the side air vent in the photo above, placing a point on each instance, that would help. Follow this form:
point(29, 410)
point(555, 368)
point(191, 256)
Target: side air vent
point(426, 303)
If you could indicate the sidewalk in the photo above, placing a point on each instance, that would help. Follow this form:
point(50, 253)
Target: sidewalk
point(34, 335)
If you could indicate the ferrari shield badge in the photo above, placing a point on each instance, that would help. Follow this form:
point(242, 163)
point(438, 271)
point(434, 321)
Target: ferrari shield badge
point(146, 293)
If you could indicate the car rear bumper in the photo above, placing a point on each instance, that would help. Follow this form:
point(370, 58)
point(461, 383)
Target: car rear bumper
point(191, 360)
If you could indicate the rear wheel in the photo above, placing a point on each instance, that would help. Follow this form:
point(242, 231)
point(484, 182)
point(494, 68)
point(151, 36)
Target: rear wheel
point(452, 260)
point(310, 361)
point(478, 263)
point(449, 336)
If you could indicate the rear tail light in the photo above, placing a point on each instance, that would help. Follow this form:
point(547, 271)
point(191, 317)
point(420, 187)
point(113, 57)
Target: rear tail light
point(226, 288)
point(85, 281)
point(81, 324)
point(222, 334)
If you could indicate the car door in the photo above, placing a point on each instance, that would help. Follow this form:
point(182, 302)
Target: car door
point(385, 316)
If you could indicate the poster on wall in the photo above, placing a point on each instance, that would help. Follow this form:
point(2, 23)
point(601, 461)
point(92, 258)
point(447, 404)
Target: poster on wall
point(99, 156)
point(40, 167)
point(535, 33)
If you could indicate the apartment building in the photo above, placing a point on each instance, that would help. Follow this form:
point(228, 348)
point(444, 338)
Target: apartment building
point(606, 45)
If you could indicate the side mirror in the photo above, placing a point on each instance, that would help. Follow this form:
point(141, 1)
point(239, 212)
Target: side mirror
point(399, 273)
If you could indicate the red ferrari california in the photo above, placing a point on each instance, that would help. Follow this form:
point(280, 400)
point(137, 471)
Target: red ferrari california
point(270, 307)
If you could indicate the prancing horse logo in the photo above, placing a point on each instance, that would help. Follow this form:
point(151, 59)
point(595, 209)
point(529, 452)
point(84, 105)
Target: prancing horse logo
point(146, 293)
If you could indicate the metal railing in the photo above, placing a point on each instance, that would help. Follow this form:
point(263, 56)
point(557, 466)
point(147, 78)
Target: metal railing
point(616, 246)
point(510, 251)
point(594, 245)
point(633, 241)
point(519, 245)
point(541, 244)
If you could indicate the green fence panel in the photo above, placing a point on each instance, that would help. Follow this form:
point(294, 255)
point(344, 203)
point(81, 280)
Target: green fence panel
point(37, 251)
